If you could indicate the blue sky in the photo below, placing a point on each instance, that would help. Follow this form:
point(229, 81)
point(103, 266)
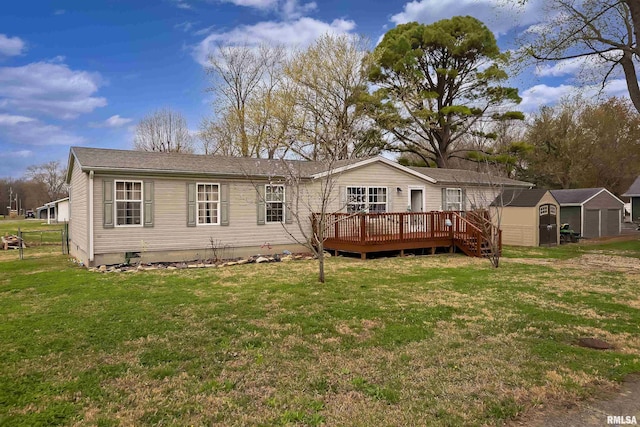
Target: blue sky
point(85, 72)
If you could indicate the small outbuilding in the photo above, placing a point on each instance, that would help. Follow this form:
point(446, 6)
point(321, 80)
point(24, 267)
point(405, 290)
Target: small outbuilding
point(527, 217)
point(634, 194)
point(593, 212)
point(54, 212)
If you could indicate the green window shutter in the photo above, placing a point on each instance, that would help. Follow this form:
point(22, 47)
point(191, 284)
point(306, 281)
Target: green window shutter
point(148, 203)
point(107, 203)
point(224, 204)
point(444, 199)
point(260, 205)
point(191, 205)
point(288, 217)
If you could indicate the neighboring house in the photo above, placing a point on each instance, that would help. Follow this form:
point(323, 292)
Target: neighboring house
point(169, 206)
point(527, 217)
point(54, 212)
point(634, 194)
point(593, 212)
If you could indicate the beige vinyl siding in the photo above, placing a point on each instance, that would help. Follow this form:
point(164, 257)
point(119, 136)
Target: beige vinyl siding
point(79, 214)
point(380, 175)
point(170, 231)
point(475, 196)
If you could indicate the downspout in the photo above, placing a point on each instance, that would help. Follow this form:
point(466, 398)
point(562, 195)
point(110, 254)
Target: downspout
point(91, 217)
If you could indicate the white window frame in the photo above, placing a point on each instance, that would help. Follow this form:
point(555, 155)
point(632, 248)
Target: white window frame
point(116, 201)
point(366, 198)
point(198, 202)
point(449, 203)
point(268, 202)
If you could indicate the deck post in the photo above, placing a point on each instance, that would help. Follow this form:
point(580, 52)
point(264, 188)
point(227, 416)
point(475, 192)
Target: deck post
point(363, 255)
point(336, 229)
point(363, 227)
point(402, 228)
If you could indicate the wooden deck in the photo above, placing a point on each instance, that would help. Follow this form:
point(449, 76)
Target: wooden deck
point(397, 231)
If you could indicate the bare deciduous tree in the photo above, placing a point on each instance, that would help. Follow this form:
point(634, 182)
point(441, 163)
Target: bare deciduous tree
point(240, 75)
point(330, 82)
point(52, 175)
point(593, 32)
point(163, 130)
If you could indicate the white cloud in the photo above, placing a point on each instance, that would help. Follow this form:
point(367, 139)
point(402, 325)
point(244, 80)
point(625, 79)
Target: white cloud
point(9, 119)
point(11, 46)
point(181, 4)
point(592, 64)
point(51, 88)
point(23, 154)
point(258, 4)
point(112, 122)
point(59, 12)
point(184, 26)
point(301, 32)
point(288, 9)
point(499, 15)
point(540, 95)
point(32, 132)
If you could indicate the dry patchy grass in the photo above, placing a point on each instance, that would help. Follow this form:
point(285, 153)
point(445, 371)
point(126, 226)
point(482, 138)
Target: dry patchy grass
point(443, 340)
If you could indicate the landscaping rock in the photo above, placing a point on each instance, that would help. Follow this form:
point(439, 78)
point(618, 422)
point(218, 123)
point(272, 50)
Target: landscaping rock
point(102, 268)
point(242, 261)
point(262, 259)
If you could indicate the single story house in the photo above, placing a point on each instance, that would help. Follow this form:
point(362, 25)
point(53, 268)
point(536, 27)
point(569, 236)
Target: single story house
point(634, 194)
point(55, 211)
point(172, 206)
point(527, 217)
point(592, 212)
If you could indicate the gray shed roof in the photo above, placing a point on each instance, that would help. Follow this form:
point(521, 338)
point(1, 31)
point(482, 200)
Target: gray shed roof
point(99, 159)
point(461, 176)
point(634, 190)
point(575, 196)
point(520, 197)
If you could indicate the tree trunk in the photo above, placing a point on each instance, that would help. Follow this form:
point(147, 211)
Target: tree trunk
point(321, 263)
point(632, 79)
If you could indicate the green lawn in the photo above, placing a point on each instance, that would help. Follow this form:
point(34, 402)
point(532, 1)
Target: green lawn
point(436, 340)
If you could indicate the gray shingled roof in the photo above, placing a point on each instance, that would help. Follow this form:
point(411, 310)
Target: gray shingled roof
point(193, 164)
point(634, 190)
point(461, 176)
point(575, 195)
point(524, 197)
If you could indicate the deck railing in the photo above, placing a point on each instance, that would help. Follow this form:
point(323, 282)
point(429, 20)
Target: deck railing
point(397, 227)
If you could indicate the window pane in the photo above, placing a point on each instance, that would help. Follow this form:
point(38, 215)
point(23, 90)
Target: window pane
point(356, 199)
point(274, 203)
point(208, 198)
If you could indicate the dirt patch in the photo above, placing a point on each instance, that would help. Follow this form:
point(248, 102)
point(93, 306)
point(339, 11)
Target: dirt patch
point(592, 261)
point(623, 401)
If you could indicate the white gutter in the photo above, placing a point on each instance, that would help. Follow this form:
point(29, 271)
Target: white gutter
point(90, 217)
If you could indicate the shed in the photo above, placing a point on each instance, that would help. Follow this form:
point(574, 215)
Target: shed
point(634, 194)
point(593, 212)
point(527, 217)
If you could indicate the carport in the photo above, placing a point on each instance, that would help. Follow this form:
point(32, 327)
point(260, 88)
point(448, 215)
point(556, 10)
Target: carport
point(593, 212)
